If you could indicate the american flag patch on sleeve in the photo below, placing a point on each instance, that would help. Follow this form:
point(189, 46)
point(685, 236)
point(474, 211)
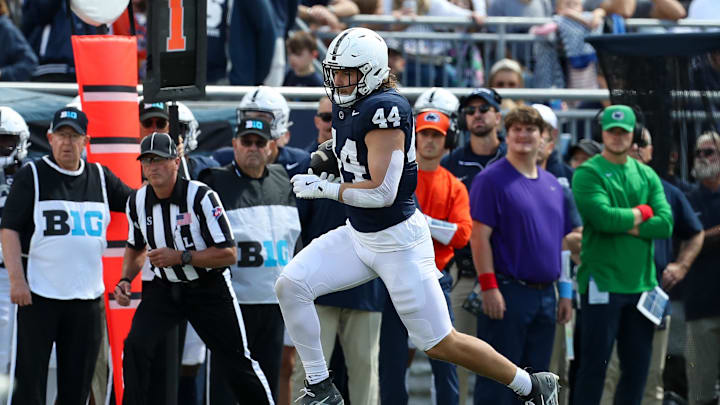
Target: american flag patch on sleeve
point(184, 219)
point(217, 211)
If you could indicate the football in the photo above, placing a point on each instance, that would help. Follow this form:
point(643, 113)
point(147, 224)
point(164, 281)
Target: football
point(323, 160)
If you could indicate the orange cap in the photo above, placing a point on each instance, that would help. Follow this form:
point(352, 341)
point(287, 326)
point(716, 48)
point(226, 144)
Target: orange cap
point(433, 120)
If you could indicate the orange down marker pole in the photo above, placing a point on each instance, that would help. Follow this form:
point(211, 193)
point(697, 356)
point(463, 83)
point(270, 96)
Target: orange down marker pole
point(106, 67)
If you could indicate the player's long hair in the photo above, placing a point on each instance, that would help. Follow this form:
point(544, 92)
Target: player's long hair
point(390, 83)
point(4, 8)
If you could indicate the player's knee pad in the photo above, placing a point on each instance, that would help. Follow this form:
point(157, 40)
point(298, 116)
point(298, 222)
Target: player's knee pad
point(289, 290)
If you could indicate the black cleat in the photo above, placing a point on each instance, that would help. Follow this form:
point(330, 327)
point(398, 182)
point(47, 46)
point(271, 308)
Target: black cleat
point(322, 393)
point(545, 389)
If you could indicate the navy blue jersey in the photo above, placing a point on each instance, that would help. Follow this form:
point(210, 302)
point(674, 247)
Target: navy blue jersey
point(384, 109)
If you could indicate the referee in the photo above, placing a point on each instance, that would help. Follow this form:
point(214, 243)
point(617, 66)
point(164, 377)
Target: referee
point(183, 229)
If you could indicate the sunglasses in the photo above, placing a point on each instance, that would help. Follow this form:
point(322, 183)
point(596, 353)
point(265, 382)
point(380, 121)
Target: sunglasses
point(705, 152)
point(148, 160)
point(325, 116)
point(158, 122)
point(471, 110)
point(259, 143)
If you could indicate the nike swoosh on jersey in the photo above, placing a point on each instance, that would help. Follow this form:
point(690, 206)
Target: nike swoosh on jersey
point(354, 113)
point(291, 166)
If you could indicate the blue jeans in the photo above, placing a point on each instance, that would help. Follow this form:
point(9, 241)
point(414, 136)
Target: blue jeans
point(525, 335)
point(600, 325)
point(394, 358)
point(251, 42)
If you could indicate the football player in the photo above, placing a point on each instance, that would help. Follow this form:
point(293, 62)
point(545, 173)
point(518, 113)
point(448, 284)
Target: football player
point(266, 102)
point(14, 135)
point(385, 236)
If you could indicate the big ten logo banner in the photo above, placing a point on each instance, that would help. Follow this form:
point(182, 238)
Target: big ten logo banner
point(263, 253)
point(88, 223)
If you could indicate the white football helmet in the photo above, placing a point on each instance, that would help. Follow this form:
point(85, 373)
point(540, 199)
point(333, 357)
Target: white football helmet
point(358, 48)
point(188, 127)
point(11, 123)
point(437, 99)
point(266, 99)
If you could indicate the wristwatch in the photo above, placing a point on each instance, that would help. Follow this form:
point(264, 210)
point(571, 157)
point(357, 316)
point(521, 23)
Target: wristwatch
point(186, 257)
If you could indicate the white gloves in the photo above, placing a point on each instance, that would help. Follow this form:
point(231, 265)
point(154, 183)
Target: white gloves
point(312, 186)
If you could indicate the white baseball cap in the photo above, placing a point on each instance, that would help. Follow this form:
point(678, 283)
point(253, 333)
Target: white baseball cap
point(547, 114)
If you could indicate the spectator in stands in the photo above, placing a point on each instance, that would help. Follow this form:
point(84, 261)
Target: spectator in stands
point(582, 151)
point(520, 8)
point(702, 301)
point(323, 123)
point(623, 208)
point(444, 201)
point(121, 26)
point(17, 60)
point(302, 51)
point(569, 27)
point(217, 37)
point(257, 41)
point(517, 275)
point(662, 9)
point(327, 13)
point(507, 74)
point(53, 48)
point(428, 61)
point(688, 234)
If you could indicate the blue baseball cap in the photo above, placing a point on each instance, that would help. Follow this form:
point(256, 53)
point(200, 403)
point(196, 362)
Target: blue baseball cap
point(490, 96)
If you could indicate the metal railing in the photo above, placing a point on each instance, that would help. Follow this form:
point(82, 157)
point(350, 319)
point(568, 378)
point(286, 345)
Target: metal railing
point(577, 121)
point(502, 38)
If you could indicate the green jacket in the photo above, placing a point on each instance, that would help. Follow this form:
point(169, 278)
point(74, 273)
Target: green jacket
point(605, 194)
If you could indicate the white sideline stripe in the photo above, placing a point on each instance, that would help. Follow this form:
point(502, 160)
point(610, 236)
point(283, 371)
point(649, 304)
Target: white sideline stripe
point(114, 148)
point(109, 96)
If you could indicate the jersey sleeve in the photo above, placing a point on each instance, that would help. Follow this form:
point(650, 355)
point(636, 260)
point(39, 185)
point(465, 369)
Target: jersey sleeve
point(18, 212)
point(135, 239)
point(214, 223)
point(117, 191)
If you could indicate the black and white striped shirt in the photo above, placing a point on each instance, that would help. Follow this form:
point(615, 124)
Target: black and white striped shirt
point(192, 218)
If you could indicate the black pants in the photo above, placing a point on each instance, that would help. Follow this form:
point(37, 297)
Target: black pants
point(264, 329)
point(165, 366)
point(213, 311)
point(74, 326)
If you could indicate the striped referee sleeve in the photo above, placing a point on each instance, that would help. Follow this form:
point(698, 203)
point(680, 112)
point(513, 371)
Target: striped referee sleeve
point(135, 237)
point(214, 223)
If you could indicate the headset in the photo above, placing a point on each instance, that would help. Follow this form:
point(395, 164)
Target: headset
point(452, 133)
point(639, 124)
point(461, 123)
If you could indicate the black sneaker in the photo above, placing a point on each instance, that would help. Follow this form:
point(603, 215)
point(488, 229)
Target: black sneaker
point(322, 393)
point(545, 389)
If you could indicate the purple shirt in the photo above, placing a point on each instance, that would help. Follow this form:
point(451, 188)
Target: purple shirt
point(529, 219)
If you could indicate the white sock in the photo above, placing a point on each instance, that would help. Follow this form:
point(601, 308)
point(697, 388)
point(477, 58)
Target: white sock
point(521, 384)
point(315, 371)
